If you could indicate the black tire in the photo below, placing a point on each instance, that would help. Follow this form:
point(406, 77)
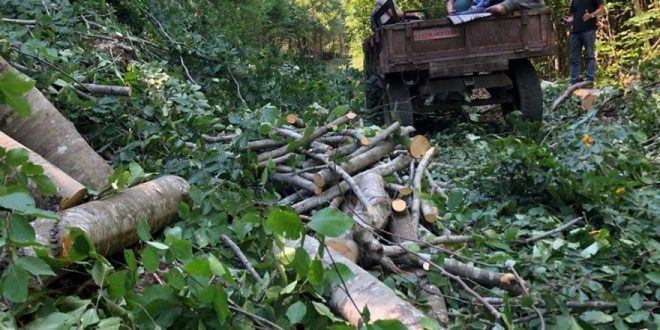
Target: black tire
point(398, 106)
point(526, 89)
point(374, 91)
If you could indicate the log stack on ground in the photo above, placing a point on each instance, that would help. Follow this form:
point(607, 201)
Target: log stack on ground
point(380, 178)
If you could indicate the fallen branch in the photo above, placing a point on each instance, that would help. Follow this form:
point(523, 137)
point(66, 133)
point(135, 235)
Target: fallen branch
point(297, 181)
point(402, 190)
point(241, 256)
point(108, 89)
point(484, 277)
point(221, 138)
point(597, 304)
point(554, 231)
point(415, 206)
point(29, 22)
point(355, 164)
point(569, 90)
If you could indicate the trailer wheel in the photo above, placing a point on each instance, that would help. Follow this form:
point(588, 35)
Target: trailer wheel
point(398, 105)
point(374, 90)
point(527, 90)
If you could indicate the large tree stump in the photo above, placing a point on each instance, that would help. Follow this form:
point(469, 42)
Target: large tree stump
point(55, 138)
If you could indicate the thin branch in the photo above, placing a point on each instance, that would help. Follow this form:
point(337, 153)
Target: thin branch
point(554, 231)
point(233, 306)
point(185, 69)
point(242, 257)
point(524, 287)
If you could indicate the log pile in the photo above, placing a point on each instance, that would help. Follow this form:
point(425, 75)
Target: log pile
point(381, 179)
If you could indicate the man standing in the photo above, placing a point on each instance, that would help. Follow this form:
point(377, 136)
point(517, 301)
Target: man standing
point(583, 14)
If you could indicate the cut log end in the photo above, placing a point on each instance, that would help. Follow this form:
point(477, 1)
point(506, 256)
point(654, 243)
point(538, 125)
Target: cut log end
point(351, 115)
point(291, 118)
point(73, 200)
point(405, 191)
point(364, 141)
point(319, 180)
point(419, 146)
point(318, 190)
point(399, 205)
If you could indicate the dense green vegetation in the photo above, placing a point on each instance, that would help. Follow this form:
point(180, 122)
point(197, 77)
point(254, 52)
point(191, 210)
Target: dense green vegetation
point(199, 67)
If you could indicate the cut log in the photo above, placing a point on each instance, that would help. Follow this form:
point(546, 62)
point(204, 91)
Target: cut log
point(53, 137)
point(402, 190)
point(429, 212)
point(373, 187)
point(383, 170)
point(108, 89)
point(345, 245)
point(587, 97)
point(317, 133)
point(293, 119)
point(415, 208)
point(355, 164)
point(399, 205)
point(364, 290)
point(219, 138)
point(264, 144)
point(70, 191)
point(435, 301)
point(569, 90)
point(484, 277)
point(296, 180)
point(418, 146)
point(402, 230)
point(110, 223)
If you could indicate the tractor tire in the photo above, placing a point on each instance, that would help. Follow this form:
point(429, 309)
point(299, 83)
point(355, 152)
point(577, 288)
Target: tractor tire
point(398, 105)
point(374, 92)
point(526, 89)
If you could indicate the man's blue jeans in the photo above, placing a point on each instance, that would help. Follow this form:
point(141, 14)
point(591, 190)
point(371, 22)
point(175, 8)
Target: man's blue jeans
point(586, 40)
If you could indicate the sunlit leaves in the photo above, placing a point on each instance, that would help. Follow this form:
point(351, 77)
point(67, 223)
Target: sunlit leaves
point(13, 86)
point(330, 222)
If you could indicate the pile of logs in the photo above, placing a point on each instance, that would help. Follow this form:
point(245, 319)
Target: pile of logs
point(381, 180)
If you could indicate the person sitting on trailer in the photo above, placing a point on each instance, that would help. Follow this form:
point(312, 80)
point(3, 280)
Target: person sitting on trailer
point(387, 12)
point(457, 6)
point(508, 6)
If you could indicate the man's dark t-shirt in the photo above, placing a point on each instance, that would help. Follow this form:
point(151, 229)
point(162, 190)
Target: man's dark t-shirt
point(578, 9)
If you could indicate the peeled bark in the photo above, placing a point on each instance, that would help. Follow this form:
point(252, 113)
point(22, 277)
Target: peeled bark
point(110, 223)
point(55, 138)
point(402, 190)
point(70, 191)
point(364, 290)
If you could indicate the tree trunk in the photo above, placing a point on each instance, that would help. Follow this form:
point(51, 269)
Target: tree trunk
point(55, 138)
point(70, 191)
point(365, 290)
point(110, 223)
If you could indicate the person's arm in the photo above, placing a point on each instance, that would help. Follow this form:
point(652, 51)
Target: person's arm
point(450, 6)
point(596, 13)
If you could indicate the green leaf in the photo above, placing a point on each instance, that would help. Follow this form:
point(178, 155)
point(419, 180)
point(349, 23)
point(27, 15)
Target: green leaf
point(296, 312)
point(18, 201)
point(285, 223)
point(12, 87)
point(100, 272)
point(20, 231)
point(636, 301)
point(653, 277)
point(220, 305)
point(590, 251)
point(289, 287)
point(44, 184)
point(325, 311)
point(31, 169)
point(15, 284)
point(637, 316)
point(143, 230)
point(89, 318)
point(150, 259)
point(81, 246)
point(53, 321)
point(596, 317)
point(315, 274)
point(118, 284)
point(182, 250)
point(337, 273)
point(216, 266)
point(198, 267)
point(330, 222)
point(17, 157)
point(111, 323)
point(388, 325)
point(34, 265)
point(301, 262)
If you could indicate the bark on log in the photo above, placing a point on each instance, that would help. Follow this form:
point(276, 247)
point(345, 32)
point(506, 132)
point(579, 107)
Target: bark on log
point(402, 190)
point(402, 229)
point(435, 301)
point(484, 277)
point(355, 164)
point(298, 195)
point(108, 89)
point(219, 138)
point(363, 290)
point(373, 187)
point(264, 144)
point(417, 185)
point(110, 223)
point(55, 138)
point(383, 170)
point(429, 212)
point(70, 191)
point(293, 119)
point(297, 181)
